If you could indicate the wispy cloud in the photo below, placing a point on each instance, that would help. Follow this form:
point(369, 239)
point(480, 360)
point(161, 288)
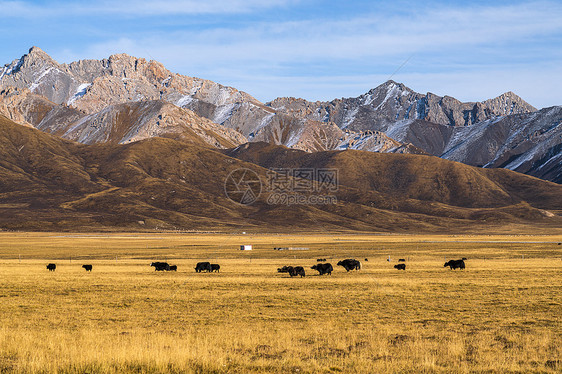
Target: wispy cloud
point(29, 9)
point(449, 34)
point(470, 51)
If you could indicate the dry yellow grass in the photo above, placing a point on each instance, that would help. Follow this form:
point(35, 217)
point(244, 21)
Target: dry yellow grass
point(502, 314)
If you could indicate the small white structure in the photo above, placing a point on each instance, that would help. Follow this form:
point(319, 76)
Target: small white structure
point(246, 247)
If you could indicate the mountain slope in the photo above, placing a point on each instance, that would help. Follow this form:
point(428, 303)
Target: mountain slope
point(50, 183)
point(390, 102)
point(120, 123)
point(134, 121)
point(47, 183)
point(91, 87)
point(123, 99)
point(418, 177)
point(527, 143)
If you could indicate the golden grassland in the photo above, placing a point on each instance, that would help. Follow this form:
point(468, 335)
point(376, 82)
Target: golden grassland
point(502, 314)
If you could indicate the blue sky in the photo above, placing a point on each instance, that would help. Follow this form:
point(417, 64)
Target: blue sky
point(318, 50)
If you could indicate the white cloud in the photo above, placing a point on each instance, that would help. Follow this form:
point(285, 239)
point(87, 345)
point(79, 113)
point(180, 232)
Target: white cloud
point(440, 31)
point(470, 52)
point(129, 8)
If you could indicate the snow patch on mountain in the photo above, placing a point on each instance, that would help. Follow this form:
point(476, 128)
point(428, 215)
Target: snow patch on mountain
point(349, 117)
point(184, 100)
point(223, 96)
point(459, 144)
point(76, 125)
point(6, 70)
point(368, 99)
point(264, 122)
point(223, 113)
point(391, 92)
point(80, 91)
point(556, 159)
point(295, 137)
point(518, 162)
point(11, 68)
point(398, 131)
point(37, 82)
point(166, 81)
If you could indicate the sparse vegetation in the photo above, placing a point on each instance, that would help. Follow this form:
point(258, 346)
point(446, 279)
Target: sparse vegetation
point(50, 184)
point(501, 314)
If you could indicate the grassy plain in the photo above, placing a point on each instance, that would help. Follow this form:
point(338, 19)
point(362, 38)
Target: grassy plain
point(502, 314)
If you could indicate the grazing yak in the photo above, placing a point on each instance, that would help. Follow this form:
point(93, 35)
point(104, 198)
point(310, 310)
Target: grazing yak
point(215, 267)
point(455, 264)
point(51, 267)
point(173, 268)
point(203, 266)
point(160, 266)
point(293, 271)
point(400, 266)
point(323, 268)
point(350, 264)
point(87, 267)
point(321, 260)
point(401, 260)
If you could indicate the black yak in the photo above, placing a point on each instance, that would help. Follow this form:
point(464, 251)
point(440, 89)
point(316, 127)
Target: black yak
point(293, 271)
point(455, 264)
point(350, 264)
point(323, 268)
point(203, 266)
point(160, 266)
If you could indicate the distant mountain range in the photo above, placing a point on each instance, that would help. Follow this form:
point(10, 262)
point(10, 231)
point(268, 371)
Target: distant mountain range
point(123, 143)
point(49, 183)
point(123, 99)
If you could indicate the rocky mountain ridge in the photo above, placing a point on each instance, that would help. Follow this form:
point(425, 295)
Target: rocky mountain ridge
point(529, 143)
point(119, 123)
point(391, 102)
point(123, 99)
point(97, 87)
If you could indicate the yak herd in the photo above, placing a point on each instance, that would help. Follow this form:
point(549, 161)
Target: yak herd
point(322, 267)
point(353, 264)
